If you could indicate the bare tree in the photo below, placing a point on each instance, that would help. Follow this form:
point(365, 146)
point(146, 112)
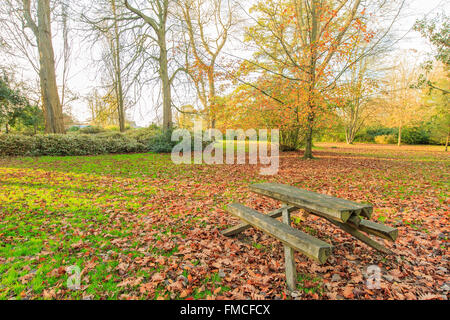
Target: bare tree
point(109, 28)
point(156, 15)
point(402, 102)
point(22, 44)
point(67, 51)
point(357, 93)
point(41, 28)
point(27, 31)
point(118, 68)
point(208, 25)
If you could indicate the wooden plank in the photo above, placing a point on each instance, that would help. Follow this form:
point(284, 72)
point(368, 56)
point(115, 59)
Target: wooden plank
point(354, 220)
point(376, 229)
point(300, 241)
point(334, 208)
point(289, 257)
point(362, 237)
point(366, 209)
point(245, 226)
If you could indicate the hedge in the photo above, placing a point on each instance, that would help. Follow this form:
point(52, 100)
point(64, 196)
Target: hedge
point(74, 144)
point(67, 145)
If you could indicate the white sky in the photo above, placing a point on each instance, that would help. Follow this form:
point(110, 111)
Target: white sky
point(82, 78)
point(417, 9)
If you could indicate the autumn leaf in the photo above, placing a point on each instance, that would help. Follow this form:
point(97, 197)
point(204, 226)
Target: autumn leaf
point(157, 277)
point(348, 292)
point(164, 203)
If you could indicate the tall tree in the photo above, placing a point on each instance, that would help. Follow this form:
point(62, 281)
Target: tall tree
point(118, 68)
point(156, 16)
point(437, 32)
point(41, 28)
point(66, 53)
point(307, 43)
point(438, 102)
point(403, 106)
point(108, 24)
point(21, 44)
point(208, 25)
point(356, 95)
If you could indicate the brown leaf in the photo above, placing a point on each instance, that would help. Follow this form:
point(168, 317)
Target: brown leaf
point(157, 277)
point(348, 292)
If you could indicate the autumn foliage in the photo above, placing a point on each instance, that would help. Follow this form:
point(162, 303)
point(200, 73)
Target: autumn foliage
point(302, 50)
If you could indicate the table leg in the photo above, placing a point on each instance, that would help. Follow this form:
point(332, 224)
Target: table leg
point(291, 269)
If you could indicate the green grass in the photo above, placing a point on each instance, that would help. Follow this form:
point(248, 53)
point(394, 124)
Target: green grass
point(117, 216)
point(309, 284)
point(50, 204)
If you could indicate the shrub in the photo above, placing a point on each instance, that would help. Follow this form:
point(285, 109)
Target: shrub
point(369, 135)
point(143, 135)
point(385, 139)
point(380, 131)
point(365, 138)
point(16, 145)
point(162, 142)
point(415, 135)
point(74, 129)
point(91, 130)
point(144, 140)
point(112, 135)
point(67, 145)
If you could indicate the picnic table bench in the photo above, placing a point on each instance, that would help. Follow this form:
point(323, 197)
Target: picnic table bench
point(352, 217)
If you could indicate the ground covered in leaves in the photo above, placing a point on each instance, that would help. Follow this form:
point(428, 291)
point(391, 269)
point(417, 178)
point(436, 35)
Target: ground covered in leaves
point(139, 227)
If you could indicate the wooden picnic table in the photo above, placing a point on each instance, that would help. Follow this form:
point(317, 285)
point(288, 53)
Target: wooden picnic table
point(347, 215)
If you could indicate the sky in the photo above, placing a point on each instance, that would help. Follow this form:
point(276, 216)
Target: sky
point(417, 9)
point(83, 77)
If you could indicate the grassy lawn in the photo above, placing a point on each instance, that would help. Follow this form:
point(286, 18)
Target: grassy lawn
point(140, 227)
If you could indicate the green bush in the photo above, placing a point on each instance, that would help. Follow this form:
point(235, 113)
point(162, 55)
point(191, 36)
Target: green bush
point(162, 142)
point(77, 144)
point(415, 135)
point(91, 130)
point(16, 145)
point(364, 137)
point(380, 131)
point(369, 135)
point(144, 135)
point(74, 129)
point(67, 145)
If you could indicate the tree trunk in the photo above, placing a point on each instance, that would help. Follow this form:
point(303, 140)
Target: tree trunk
point(308, 147)
point(312, 80)
point(446, 143)
point(165, 79)
point(212, 96)
point(54, 122)
point(159, 25)
point(349, 136)
point(400, 136)
point(118, 84)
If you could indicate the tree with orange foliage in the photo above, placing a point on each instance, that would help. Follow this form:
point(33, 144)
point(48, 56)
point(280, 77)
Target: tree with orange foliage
point(304, 47)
